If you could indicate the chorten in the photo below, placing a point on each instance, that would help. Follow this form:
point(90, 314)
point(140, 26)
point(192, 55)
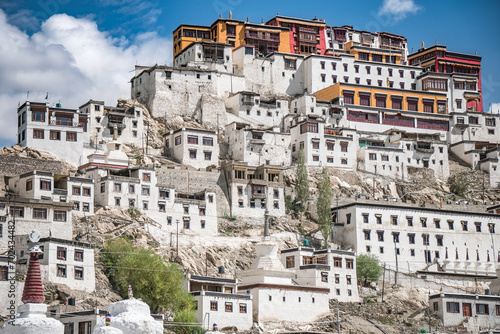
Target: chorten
point(32, 318)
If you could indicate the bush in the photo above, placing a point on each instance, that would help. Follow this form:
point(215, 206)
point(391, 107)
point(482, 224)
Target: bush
point(186, 323)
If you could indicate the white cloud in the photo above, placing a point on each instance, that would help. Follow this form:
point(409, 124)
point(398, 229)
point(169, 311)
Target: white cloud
point(73, 61)
point(398, 9)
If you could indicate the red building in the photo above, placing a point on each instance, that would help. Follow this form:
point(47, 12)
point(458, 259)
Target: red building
point(437, 59)
point(305, 36)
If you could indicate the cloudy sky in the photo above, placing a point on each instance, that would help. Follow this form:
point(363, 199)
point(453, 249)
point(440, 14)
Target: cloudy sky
point(87, 49)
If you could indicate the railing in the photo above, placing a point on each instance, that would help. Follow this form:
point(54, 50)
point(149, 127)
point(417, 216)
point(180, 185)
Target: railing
point(425, 150)
point(258, 195)
point(60, 192)
point(310, 30)
point(262, 37)
point(118, 125)
point(67, 123)
point(190, 201)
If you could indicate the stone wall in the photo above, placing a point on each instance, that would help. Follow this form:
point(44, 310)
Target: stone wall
point(184, 180)
point(13, 165)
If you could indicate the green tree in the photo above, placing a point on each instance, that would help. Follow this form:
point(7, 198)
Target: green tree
point(186, 323)
point(302, 185)
point(157, 283)
point(368, 268)
point(323, 205)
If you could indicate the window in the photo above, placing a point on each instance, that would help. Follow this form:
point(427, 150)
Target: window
point(378, 219)
point(452, 307)
point(38, 134)
point(202, 211)
point(117, 187)
point(145, 190)
point(478, 226)
point(243, 308)
point(337, 278)
point(61, 270)
point(39, 213)
point(437, 223)
point(450, 224)
point(192, 154)
point(59, 216)
point(365, 218)
point(86, 207)
point(394, 220)
point(164, 193)
point(425, 239)
point(76, 190)
point(192, 139)
point(213, 306)
point(315, 144)
point(70, 136)
point(366, 234)
point(498, 309)
point(364, 100)
point(344, 147)
point(86, 191)
point(412, 252)
point(349, 263)
point(61, 253)
point(411, 238)
point(178, 140)
point(78, 254)
point(131, 189)
point(345, 67)
point(3, 273)
point(324, 277)
point(491, 227)
point(334, 79)
point(337, 262)
point(79, 273)
point(348, 218)
point(482, 309)
point(228, 307)
point(45, 185)
point(423, 220)
point(396, 103)
point(439, 240)
point(380, 235)
point(395, 237)
point(464, 225)
point(459, 103)
point(55, 135)
point(380, 102)
point(36, 116)
point(427, 255)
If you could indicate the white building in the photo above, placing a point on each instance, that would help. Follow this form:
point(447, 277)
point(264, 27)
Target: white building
point(480, 311)
point(195, 147)
point(217, 301)
point(256, 109)
point(57, 130)
point(253, 191)
point(275, 296)
point(64, 261)
point(426, 239)
point(256, 146)
point(322, 145)
point(324, 268)
point(391, 154)
point(102, 119)
point(11, 287)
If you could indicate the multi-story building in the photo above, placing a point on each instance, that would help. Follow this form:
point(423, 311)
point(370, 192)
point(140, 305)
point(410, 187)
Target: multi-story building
point(64, 261)
point(480, 311)
point(380, 109)
point(252, 108)
point(257, 146)
point(264, 39)
point(254, 190)
point(302, 36)
point(457, 73)
point(58, 130)
point(217, 301)
point(445, 240)
point(326, 268)
point(323, 146)
point(275, 296)
point(102, 120)
point(391, 153)
point(198, 148)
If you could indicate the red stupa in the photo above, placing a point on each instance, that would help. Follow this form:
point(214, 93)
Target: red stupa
point(33, 288)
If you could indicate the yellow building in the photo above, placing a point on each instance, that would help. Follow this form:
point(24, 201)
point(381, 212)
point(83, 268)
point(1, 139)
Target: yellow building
point(386, 98)
point(264, 38)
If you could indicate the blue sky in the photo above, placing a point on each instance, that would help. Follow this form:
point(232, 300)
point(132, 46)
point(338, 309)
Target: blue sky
point(81, 50)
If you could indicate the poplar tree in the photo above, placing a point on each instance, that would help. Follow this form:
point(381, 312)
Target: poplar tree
point(323, 205)
point(302, 185)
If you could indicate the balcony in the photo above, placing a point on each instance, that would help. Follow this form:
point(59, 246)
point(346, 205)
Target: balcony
point(67, 123)
point(261, 37)
point(309, 30)
point(186, 201)
point(426, 149)
point(257, 141)
point(259, 195)
point(60, 192)
point(119, 126)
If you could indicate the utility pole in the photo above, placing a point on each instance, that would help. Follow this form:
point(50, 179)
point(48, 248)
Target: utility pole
point(147, 139)
point(338, 322)
point(177, 244)
point(383, 284)
point(396, 254)
point(374, 182)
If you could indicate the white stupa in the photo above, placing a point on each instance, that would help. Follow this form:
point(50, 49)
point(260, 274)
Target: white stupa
point(130, 316)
